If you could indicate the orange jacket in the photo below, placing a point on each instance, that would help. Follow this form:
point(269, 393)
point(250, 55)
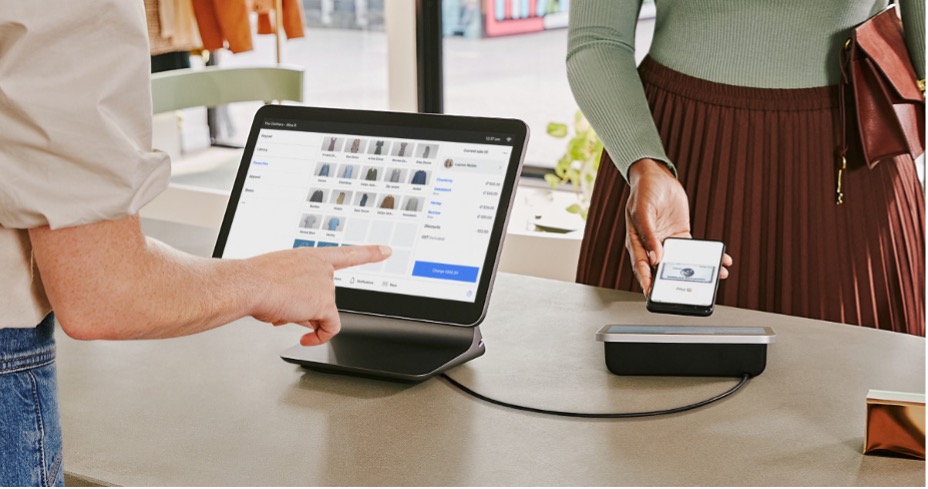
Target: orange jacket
point(223, 22)
point(292, 17)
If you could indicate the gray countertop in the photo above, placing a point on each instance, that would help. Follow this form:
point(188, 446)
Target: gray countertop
point(222, 408)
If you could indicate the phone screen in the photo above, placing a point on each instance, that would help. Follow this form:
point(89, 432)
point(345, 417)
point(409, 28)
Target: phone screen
point(688, 272)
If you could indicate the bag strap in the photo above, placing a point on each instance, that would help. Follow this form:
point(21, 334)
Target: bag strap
point(845, 61)
point(845, 56)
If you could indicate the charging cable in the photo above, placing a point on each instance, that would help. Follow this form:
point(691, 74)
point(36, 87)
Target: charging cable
point(642, 414)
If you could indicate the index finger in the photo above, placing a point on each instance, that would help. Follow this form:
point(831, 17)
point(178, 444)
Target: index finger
point(349, 256)
point(643, 273)
point(641, 263)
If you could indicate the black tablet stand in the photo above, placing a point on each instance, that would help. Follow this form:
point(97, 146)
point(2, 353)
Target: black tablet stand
point(395, 349)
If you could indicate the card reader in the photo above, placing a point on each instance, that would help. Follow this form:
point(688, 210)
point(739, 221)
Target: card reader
point(686, 350)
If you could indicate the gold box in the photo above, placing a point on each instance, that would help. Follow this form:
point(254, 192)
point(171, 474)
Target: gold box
point(895, 424)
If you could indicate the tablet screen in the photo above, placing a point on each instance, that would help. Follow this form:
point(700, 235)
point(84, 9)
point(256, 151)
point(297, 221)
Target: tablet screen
point(433, 195)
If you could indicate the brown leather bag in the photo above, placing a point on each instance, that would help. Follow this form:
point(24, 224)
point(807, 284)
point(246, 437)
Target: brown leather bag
point(881, 93)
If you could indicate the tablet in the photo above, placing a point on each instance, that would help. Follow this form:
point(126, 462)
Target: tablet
point(436, 188)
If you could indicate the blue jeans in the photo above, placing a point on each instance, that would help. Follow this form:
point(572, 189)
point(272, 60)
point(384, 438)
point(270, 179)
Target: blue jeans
point(30, 425)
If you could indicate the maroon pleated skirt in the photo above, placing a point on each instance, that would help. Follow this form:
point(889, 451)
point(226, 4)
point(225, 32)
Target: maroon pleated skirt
point(759, 168)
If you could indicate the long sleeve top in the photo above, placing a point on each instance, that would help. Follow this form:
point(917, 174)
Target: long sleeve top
point(762, 44)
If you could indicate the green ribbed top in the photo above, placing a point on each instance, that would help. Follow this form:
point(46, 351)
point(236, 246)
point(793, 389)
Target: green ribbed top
point(754, 43)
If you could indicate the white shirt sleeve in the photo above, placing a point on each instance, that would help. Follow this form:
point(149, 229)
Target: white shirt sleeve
point(75, 113)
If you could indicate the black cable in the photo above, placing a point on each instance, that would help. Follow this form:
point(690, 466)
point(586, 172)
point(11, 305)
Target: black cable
point(643, 414)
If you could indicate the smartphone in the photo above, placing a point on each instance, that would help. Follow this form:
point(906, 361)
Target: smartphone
point(687, 277)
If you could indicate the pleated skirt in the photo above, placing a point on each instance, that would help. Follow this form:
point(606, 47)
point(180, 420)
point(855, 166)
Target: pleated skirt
point(759, 168)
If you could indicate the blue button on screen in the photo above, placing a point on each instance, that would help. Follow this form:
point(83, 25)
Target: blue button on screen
point(302, 243)
point(444, 271)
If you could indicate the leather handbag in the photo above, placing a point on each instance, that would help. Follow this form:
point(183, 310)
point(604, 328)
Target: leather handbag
point(881, 94)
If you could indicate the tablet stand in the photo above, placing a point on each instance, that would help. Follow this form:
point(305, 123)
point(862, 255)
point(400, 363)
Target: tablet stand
point(395, 349)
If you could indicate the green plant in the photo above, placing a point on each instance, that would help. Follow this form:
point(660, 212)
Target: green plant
point(580, 162)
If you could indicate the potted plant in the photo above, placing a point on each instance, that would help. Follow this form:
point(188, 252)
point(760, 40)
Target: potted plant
point(580, 162)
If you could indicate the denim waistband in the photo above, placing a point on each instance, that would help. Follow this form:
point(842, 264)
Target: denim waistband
point(24, 348)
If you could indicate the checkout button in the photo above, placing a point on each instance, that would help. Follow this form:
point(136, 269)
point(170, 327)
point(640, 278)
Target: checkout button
point(444, 271)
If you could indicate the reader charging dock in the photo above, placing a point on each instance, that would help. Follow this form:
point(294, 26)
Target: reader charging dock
point(396, 349)
point(686, 350)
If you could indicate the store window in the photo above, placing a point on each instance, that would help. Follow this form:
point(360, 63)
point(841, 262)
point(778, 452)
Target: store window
point(506, 58)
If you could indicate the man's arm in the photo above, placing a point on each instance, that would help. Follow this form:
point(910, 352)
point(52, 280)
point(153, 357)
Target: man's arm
point(108, 281)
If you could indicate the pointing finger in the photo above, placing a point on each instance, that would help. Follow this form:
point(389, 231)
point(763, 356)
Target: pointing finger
point(349, 256)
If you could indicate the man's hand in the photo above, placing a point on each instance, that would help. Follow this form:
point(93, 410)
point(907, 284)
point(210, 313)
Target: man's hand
point(303, 290)
point(657, 209)
point(106, 280)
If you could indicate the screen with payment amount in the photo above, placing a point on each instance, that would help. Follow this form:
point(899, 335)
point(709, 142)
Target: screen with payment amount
point(434, 201)
point(688, 272)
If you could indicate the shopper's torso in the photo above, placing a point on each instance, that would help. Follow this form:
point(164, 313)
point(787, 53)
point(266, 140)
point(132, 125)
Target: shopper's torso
point(23, 303)
point(757, 43)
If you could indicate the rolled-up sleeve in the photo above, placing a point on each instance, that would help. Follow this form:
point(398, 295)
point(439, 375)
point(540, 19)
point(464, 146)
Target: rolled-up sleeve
point(75, 113)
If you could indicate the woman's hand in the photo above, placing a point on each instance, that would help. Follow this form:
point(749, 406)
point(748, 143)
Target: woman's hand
point(657, 209)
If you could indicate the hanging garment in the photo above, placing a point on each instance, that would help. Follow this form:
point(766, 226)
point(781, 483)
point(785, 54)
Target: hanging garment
point(418, 178)
point(292, 19)
point(395, 175)
point(223, 22)
point(402, 151)
point(426, 151)
point(340, 199)
point(171, 28)
point(356, 146)
point(349, 172)
point(371, 174)
point(316, 197)
point(363, 202)
point(378, 148)
point(333, 224)
point(412, 204)
point(309, 221)
point(388, 202)
point(324, 171)
point(331, 144)
point(172, 33)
